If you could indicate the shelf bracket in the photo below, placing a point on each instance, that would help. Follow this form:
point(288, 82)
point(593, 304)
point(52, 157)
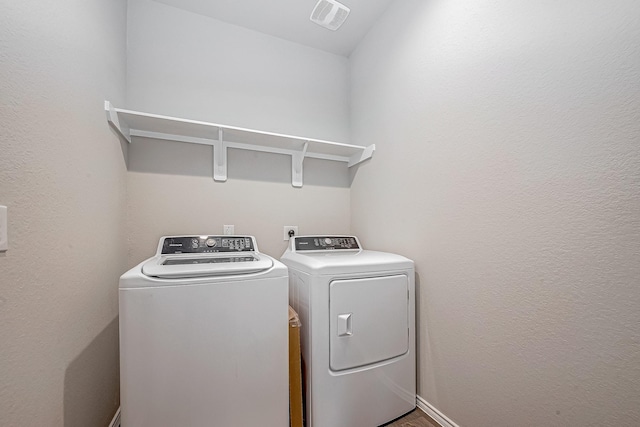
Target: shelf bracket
point(220, 157)
point(365, 154)
point(112, 118)
point(297, 159)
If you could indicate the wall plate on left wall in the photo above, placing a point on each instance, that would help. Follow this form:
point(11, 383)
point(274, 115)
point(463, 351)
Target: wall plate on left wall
point(4, 233)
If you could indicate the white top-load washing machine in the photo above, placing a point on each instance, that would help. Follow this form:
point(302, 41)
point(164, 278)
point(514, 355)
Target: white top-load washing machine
point(357, 309)
point(204, 336)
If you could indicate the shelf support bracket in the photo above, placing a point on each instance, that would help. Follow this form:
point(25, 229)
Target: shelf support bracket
point(220, 158)
point(365, 154)
point(297, 159)
point(112, 118)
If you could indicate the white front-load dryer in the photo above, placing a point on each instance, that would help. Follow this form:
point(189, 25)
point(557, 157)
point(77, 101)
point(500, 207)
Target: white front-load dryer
point(357, 309)
point(204, 336)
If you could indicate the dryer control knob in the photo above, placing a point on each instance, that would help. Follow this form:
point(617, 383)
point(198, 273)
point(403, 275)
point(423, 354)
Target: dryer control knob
point(211, 242)
point(327, 241)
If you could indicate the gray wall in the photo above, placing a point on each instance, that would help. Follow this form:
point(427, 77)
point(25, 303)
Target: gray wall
point(62, 176)
point(508, 168)
point(187, 65)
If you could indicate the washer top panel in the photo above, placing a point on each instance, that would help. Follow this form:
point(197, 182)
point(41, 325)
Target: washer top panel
point(205, 256)
point(205, 244)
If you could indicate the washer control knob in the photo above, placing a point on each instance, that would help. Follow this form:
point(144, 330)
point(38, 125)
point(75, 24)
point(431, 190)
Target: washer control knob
point(211, 242)
point(327, 241)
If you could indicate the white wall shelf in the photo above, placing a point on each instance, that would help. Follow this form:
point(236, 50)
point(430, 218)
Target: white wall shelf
point(131, 124)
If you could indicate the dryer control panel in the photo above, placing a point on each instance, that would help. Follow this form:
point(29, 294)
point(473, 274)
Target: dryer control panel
point(206, 244)
point(329, 243)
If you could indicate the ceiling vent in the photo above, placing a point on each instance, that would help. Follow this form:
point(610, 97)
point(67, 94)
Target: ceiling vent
point(329, 14)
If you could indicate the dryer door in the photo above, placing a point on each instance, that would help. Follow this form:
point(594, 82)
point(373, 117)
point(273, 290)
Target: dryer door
point(368, 320)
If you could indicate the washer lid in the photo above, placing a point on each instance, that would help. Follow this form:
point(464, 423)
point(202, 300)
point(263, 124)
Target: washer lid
point(209, 264)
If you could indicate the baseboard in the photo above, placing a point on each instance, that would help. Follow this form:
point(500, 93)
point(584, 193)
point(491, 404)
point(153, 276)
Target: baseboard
point(434, 413)
point(115, 422)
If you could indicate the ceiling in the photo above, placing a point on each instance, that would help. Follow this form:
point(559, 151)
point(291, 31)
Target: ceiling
point(289, 19)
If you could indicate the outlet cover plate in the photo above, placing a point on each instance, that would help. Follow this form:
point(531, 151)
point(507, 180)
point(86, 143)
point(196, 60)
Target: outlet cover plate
point(4, 234)
point(288, 228)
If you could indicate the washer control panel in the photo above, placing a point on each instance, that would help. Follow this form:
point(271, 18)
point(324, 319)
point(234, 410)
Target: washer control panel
point(206, 244)
point(328, 243)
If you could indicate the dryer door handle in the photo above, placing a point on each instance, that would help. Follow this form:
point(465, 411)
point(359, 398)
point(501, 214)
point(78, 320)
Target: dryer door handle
point(344, 325)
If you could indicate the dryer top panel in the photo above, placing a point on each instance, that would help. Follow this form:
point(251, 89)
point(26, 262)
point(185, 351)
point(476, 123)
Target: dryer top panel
point(340, 260)
point(325, 243)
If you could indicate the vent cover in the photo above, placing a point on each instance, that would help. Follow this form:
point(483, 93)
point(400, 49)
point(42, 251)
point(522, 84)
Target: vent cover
point(329, 14)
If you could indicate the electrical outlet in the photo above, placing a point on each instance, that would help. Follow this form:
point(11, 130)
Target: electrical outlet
point(288, 229)
point(229, 230)
point(4, 233)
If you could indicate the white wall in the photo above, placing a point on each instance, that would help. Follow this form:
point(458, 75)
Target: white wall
point(508, 136)
point(62, 176)
point(186, 65)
